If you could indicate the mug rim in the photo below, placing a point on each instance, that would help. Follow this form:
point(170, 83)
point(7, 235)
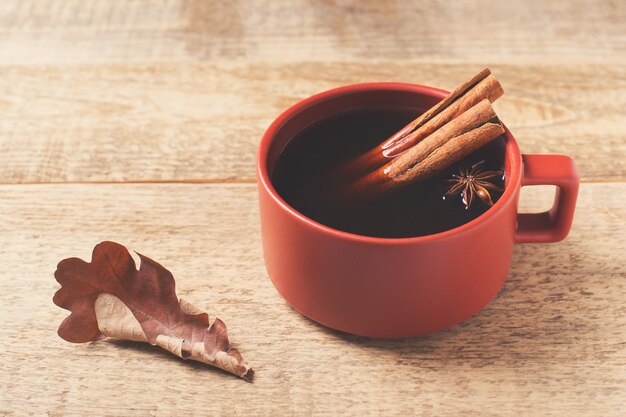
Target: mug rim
point(512, 152)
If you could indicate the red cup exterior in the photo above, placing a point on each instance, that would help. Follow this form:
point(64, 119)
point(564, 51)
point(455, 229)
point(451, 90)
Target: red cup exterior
point(400, 287)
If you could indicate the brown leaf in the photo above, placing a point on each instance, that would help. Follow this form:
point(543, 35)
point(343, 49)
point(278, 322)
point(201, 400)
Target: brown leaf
point(109, 297)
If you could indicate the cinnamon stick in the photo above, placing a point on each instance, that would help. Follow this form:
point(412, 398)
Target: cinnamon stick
point(481, 86)
point(445, 146)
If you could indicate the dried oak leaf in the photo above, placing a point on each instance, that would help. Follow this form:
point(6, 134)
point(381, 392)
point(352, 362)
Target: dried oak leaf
point(109, 297)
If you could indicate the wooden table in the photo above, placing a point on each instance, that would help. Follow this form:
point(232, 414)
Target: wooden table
point(138, 121)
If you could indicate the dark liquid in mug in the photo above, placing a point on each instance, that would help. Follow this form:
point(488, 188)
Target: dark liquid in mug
point(305, 165)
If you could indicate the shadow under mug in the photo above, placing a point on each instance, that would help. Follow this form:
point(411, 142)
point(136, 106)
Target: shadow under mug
point(400, 287)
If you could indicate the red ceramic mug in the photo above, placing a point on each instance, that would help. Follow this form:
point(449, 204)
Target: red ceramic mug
point(400, 287)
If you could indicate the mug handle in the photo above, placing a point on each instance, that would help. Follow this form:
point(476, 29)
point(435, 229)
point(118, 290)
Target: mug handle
point(552, 225)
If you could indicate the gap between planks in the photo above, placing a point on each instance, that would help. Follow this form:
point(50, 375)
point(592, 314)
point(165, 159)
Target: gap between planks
point(190, 181)
point(219, 181)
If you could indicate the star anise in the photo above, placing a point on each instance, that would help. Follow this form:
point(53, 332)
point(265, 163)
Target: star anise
point(473, 181)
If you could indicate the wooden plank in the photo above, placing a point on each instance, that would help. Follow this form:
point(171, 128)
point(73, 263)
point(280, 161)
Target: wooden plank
point(203, 121)
point(75, 31)
point(551, 344)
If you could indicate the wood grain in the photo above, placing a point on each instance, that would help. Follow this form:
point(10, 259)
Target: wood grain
point(551, 344)
point(106, 31)
point(203, 121)
point(167, 94)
